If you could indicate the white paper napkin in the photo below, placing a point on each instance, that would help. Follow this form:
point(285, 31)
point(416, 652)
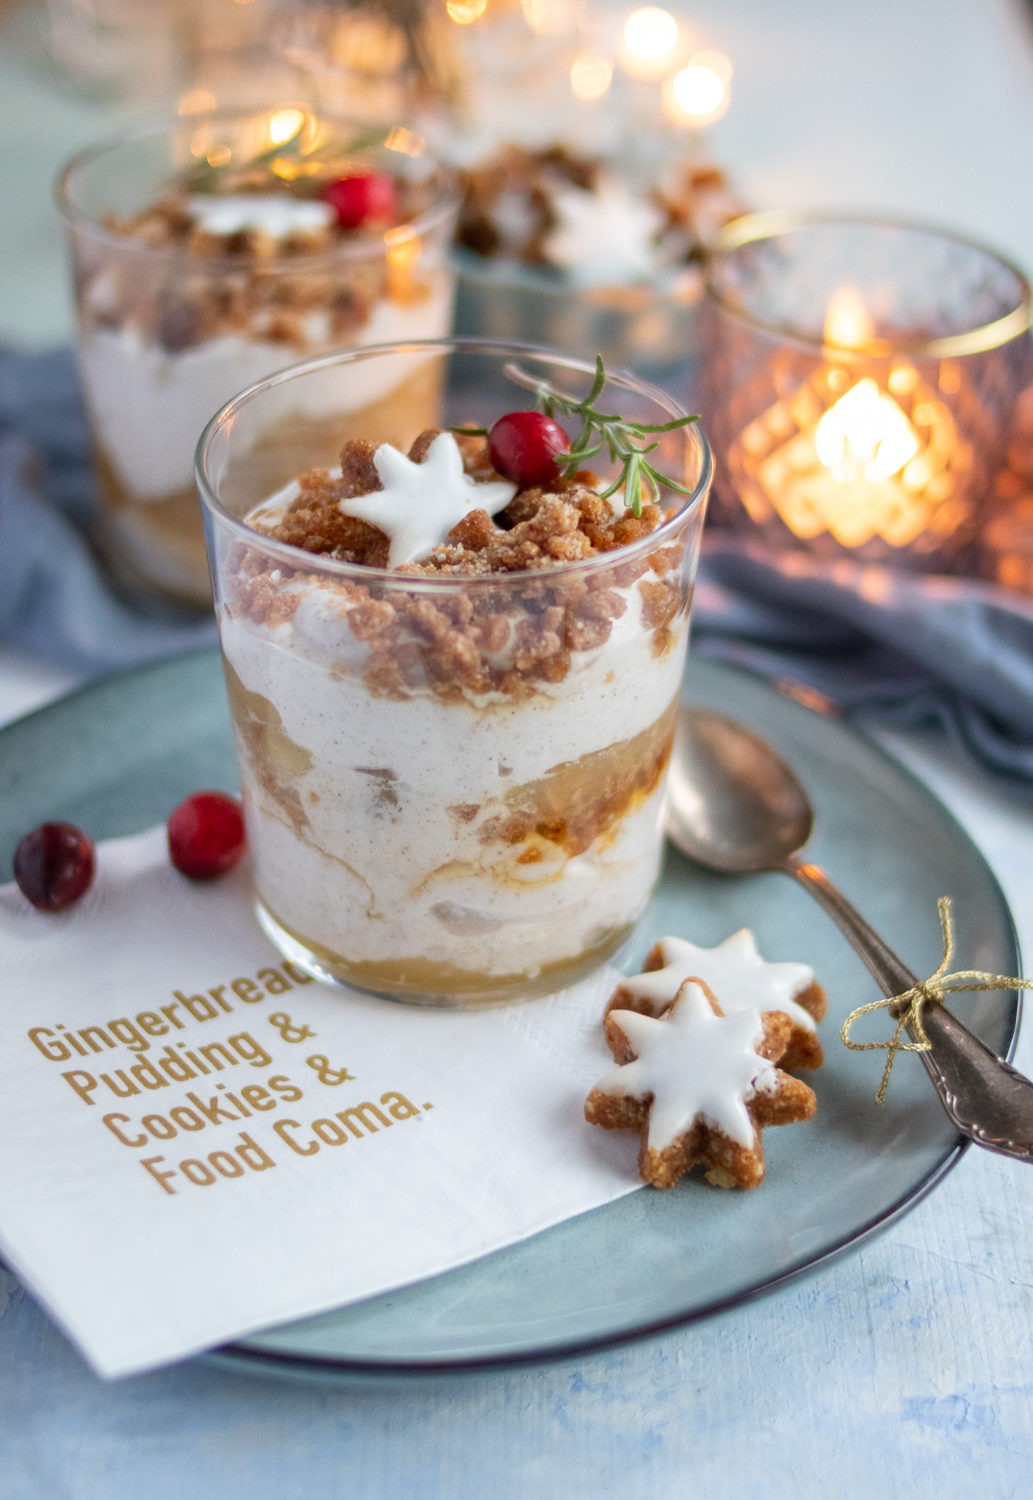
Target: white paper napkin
point(197, 1141)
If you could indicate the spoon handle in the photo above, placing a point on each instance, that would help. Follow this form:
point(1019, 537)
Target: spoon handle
point(892, 976)
point(986, 1098)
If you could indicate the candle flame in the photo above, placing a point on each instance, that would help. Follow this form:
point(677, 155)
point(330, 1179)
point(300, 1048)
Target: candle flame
point(865, 435)
point(848, 324)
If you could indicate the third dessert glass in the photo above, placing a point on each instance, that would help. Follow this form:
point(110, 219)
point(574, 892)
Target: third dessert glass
point(453, 741)
point(212, 250)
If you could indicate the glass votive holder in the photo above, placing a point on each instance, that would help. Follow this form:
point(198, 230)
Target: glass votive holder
point(209, 251)
point(454, 776)
point(1006, 541)
point(858, 384)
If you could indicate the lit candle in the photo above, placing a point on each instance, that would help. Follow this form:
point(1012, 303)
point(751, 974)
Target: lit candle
point(855, 455)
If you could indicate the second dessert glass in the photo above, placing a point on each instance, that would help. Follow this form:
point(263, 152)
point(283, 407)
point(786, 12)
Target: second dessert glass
point(205, 256)
point(453, 785)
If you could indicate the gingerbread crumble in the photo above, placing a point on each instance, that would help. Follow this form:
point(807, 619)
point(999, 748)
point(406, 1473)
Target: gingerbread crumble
point(482, 641)
point(508, 203)
point(314, 299)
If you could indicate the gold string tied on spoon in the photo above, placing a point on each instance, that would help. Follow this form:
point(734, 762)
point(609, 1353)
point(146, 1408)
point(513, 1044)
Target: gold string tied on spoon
point(910, 1005)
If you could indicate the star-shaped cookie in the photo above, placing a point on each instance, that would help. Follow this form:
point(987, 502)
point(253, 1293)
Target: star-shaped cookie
point(605, 237)
point(419, 503)
point(741, 979)
point(698, 1085)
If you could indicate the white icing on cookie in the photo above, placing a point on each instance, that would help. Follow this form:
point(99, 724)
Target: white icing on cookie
point(275, 214)
point(696, 1065)
point(735, 972)
point(421, 502)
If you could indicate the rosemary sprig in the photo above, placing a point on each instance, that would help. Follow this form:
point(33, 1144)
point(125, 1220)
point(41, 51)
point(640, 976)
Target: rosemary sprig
point(301, 149)
point(627, 443)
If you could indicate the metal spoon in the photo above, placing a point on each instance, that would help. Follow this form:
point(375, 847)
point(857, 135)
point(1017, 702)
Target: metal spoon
point(735, 806)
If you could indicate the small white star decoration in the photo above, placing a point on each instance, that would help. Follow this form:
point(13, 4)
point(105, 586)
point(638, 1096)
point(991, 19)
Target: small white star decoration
point(694, 1063)
point(603, 238)
point(421, 502)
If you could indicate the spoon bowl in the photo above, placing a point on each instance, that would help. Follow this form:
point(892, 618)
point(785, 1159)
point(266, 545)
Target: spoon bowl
point(734, 804)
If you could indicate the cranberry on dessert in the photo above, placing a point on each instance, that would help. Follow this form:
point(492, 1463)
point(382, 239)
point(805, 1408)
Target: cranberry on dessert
point(53, 865)
point(524, 446)
point(206, 835)
point(362, 198)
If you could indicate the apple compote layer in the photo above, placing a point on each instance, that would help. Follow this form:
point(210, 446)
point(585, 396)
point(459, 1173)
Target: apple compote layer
point(454, 773)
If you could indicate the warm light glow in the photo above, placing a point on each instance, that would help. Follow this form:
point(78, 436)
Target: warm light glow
point(284, 125)
point(367, 44)
point(859, 459)
point(401, 138)
point(465, 12)
point(699, 93)
point(847, 321)
point(590, 75)
point(196, 101)
point(865, 435)
point(651, 37)
point(403, 248)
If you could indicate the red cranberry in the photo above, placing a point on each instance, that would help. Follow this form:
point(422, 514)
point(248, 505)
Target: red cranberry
point(206, 835)
point(524, 446)
point(366, 197)
point(54, 865)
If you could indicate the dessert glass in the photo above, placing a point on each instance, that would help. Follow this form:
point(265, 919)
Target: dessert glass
point(453, 784)
point(167, 332)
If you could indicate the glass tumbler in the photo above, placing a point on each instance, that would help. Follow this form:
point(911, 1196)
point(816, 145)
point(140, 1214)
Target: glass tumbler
point(858, 385)
point(197, 271)
point(453, 784)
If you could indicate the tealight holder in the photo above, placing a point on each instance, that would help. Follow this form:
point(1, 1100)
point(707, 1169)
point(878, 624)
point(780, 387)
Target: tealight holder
point(858, 379)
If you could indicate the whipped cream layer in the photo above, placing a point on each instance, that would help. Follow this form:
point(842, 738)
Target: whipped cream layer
point(373, 820)
point(149, 405)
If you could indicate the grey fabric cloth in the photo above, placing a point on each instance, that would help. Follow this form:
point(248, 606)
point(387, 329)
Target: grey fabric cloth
point(54, 598)
point(886, 647)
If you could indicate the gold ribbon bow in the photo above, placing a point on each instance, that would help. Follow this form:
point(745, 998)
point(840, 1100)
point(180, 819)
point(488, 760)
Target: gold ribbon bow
point(931, 991)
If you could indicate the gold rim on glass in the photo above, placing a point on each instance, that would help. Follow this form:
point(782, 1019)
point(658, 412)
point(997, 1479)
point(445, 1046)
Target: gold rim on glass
point(753, 229)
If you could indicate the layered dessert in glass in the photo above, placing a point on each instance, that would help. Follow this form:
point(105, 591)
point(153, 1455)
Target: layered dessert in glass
point(213, 250)
point(453, 676)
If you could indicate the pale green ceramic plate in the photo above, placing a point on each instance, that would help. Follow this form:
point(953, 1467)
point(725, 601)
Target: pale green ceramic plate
point(115, 757)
